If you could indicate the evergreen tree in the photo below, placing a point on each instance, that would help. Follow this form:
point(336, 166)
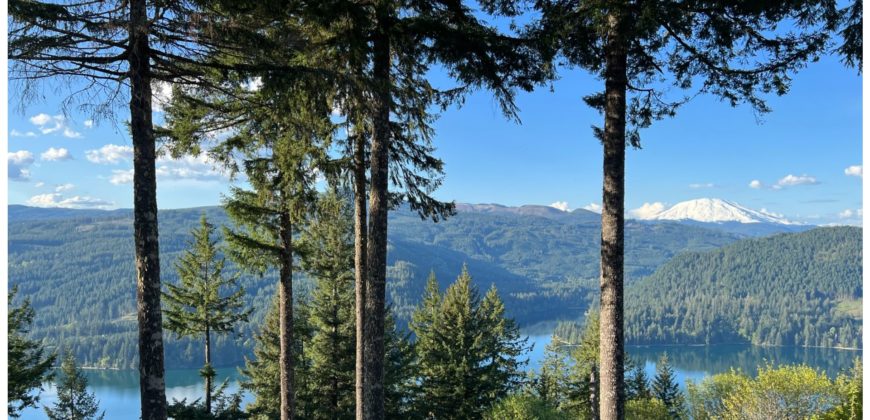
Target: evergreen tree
point(196, 306)
point(74, 402)
point(637, 385)
point(263, 371)
point(466, 350)
point(665, 388)
point(28, 365)
point(328, 244)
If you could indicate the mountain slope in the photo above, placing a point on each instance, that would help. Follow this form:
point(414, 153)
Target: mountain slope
point(77, 268)
point(782, 290)
point(714, 210)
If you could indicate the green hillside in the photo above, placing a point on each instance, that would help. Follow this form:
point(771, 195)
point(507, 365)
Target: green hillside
point(77, 269)
point(792, 289)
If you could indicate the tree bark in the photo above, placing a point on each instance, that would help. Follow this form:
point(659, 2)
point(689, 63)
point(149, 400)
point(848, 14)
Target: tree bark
point(209, 377)
point(285, 318)
point(373, 394)
point(359, 260)
point(612, 391)
point(152, 387)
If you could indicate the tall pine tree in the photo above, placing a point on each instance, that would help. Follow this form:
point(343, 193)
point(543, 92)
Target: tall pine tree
point(205, 301)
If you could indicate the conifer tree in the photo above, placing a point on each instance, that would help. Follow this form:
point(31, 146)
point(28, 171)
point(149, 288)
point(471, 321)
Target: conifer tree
point(27, 362)
point(665, 388)
point(466, 350)
point(197, 305)
point(74, 402)
point(263, 371)
point(328, 243)
point(638, 386)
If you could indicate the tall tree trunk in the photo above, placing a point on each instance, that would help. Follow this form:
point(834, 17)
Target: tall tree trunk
point(373, 395)
point(209, 376)
point(152, 388)
point(285, 318)
point(359, 260)
point(612, 391)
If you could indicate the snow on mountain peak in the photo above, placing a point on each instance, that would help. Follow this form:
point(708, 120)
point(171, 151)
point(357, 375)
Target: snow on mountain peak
point(714, 210)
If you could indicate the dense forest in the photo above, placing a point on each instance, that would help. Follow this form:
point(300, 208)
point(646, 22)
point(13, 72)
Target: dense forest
point(800, 289)
point(50, 257)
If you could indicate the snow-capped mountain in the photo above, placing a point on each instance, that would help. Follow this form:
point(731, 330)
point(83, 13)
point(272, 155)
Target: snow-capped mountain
point(714, 210)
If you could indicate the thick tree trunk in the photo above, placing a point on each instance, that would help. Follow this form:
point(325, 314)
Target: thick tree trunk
point(285, 318)
point(209, 377)
point(373, 395)
point(152, 388)
point(612, 391)
point(359, 260)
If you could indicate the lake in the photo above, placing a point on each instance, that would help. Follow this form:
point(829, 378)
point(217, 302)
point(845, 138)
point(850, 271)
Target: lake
point(118, 390)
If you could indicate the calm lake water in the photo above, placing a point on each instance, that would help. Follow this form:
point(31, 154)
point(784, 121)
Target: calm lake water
point(118, 390)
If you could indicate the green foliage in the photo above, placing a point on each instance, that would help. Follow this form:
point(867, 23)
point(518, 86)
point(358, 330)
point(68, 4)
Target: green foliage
point(28, 365)
point(522, 407)
point(74, 402)
point(262, 371)
point(666, 390)
point(195, 305)
point(788, 391)
point(647, 409)
point(850, 388)
point(637, 385)
point(467, 350)
point(781, 290)
point(224, 407)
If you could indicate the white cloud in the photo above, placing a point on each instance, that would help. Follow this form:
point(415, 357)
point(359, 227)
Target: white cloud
point(851, 214)
point(63, 187)
point(647, 210)
point(19, 162)
point(561, 205)
point(199, 168)
point(110, 154)
point(48, 124)
point(756, 184)
point(56, 154)
point(593, 207)
point(121, 177)
point(196, 168)
point(75, 202)
point(16, 133)
point(89, 123)
point(792, 180)
point(702, 185)
point(855, 170)
point(161, 95)
point(39, 184)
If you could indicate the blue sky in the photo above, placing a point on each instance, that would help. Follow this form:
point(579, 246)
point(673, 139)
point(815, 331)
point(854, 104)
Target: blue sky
point(802, 161)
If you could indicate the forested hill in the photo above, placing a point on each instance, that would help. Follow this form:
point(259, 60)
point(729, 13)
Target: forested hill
point(76, 266)
point(799, 289)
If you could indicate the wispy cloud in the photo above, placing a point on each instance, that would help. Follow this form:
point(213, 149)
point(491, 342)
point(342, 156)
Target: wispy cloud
point(16, 133)
point(190, 168)
point(793, 180)
point(855, 170)
point(75, 202)
point(702, 185)
point(53, 154)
